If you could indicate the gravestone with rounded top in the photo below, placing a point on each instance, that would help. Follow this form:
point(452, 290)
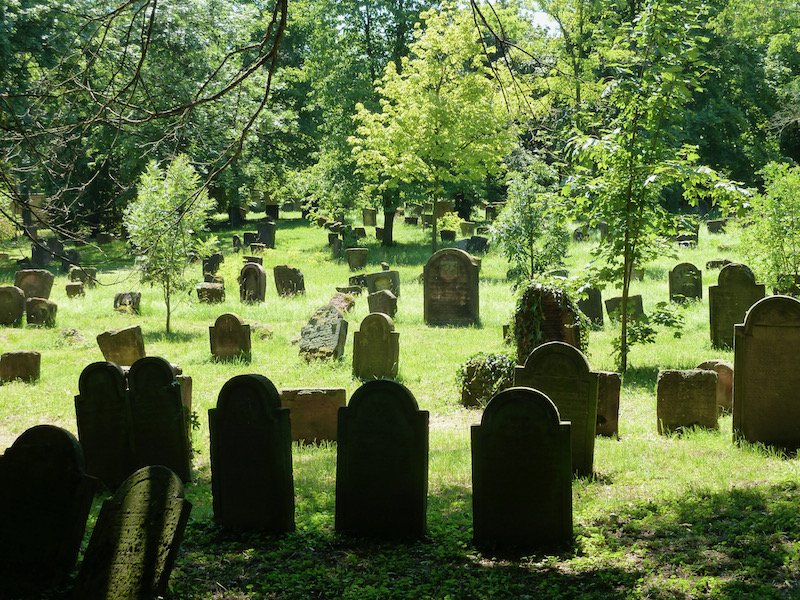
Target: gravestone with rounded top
point(45, 499)
point(230, 337)
point(729, 300)
point(685, 399)
point(289, 281)
point(376, 348)
point(24, 365)
point(685, 283)
point(314, 413)
point(35, 283)
point(382, 463)
point(136, 539)
point(39, 311)
point(252, 283)
point(766, 400)
point(521, 474)
point(450, 289)
point(12, 305)
point(562, 372)
point(251, 456)
point(122, 346)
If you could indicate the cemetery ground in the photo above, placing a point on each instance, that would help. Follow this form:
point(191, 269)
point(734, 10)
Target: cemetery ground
point(667, 517)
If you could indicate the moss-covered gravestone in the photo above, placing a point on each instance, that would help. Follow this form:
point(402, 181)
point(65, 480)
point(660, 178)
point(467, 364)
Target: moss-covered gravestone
point(39, 311)
point(544, 314)
point(521, 474)
point(45, 498)
point(382, 463)
point(136, 539)
point(325, 335)
point(376, 348)
point(251, 456)
point(685, 399)
point(252, 283)
point(562, 372)
point(728, 301)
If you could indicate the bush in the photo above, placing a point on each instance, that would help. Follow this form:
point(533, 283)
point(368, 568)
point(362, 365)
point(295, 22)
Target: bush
point(484, 375)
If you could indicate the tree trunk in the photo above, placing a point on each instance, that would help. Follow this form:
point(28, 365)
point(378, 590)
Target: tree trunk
point(388, 228)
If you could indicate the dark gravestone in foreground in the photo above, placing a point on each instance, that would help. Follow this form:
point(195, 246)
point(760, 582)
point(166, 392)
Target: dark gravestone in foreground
point(766, 380)
point(230, 337)
point(562, 373)
point(251, 456)
point(521, 474)
point(382, 463)
point(450, 292)
point(685, 283)
point(252, 283)
point(136, 539)
point(376, 348)
point(45, 498)
point(729, 300)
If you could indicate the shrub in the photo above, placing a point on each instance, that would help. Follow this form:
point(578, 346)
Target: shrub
point(484, 375)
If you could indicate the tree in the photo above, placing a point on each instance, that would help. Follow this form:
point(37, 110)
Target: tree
point(163, 221)
point(442, 119)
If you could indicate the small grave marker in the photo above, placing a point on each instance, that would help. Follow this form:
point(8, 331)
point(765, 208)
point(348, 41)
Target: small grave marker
point(289, 281)
point(685, 399)
point(127, 302)
point(376, 348)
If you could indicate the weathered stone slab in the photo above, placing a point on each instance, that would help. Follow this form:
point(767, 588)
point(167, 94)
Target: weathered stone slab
point(314, 412)
point(635, 308)
point(249, 237)
point(259, 260)
point(376, 348)
point(75, 289)
point(357, 258)
point(230, 337)
point(369, 216)
point(450, 292)
point(289, 281)
point(729, 300)
point(122, 346)
point(562, 372)
point(45, 500)
point(325, 334)
point(237, 244)
point(35, 283)
point(266, 233)
point(128, 302)
point(685, 283)
point(20, 364)
point(344, 302)
point(608, 389)
point(212, 263)
point(87, 275)
point(521, 474)
point(136, 539)
point(766, 404)
point(251, 456)
point(12, 305)
point(382, 463)
point(592, 305)
point(252, 283)
point(383, 280)
point(383, 301)
point(724, 371)
point(686, 399)
point(210, 293)
point(41, 312)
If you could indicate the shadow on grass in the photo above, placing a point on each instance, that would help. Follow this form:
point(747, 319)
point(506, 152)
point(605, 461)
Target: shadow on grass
point(640, 378)
point(173, 336)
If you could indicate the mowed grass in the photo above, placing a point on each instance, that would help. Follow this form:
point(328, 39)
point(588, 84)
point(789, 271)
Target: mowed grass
point(690, 516)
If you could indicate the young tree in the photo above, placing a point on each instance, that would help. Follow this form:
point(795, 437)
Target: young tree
point(170, 209)
point(442, 119)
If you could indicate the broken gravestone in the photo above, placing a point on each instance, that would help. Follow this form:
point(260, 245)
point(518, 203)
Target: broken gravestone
point(325, 334)
point(39, 311)
point(289, 281)
point(122, 346)
point(127, 302)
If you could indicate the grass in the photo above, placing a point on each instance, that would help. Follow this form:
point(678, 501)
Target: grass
point(663, 517)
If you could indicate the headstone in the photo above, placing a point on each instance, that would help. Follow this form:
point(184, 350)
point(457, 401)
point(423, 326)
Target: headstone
point(325, 335)
point(25, 365)
point(75, 289)
point(592, 305)
point(136, 539)
point(272, 211)
point(716, 225)
point(249, 237)
point(212, 263)
point(314, 412)
point(383, 301)
point(39, 311)
point(101, 409)
point(411, 220)
point(370, 217)
point(450, 293)
point(127, 302)
point(724, 371)
point(379, 234)
point(289, 281)
point(443, 207)
point(35, 283)
point(467, 228)
point(230, 337)
point(521, 474)
point(336, 246)
point(350, 290)
point(257, 248)
point(766, 406)
point(717, 263)
point(382, 463)
point(376, 348)
point(12, 305)
point(158, 417)
point(266, 233)
point(686, 399)
point(562, 372)
point(635, 308)
point(210, 293)
point(685, 283)
point(729, 300)
point(357, 258)
point(87, 275)
point(608, 388)
point(45, 501)
point(237, 244)
point(122, 346)
point(477, 244)
point(253, 259)
point(344, 302)
point(251, 456)
point(360, 232)
point(544, 315)
point(383, 280)
point(252, 283)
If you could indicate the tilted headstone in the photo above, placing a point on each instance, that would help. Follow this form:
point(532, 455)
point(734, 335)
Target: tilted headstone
point(101, 409)
point(685, 283)
point(35, 283)
point(158, 424)
point(266, 233)
point(544, 315)
point(251, 456)
point(450, 292)
point(136, 539)
point(212, 263)
point(724, 371)
point(289, 281)
point(230, 337)
point(685, 399)
point(39, 311)
point(210, 293)
point(12, 305)
point(88, 275)
point(635, 308)
point(128, 302)
point(314, 412)
point(608, 388)
point(25, 365)
point(383, 301)
point(376, 348)
point(357, 258)
point(252, 283)
point(592, 305)
point(383, 280)
point(562, 372)
point(729, 300)
point(45, 498)
point(75, 289)
point(344, 302)
point(766, 406)
point(122, 346)
point(325, 334)
point(521, 474)
point(382, 463)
